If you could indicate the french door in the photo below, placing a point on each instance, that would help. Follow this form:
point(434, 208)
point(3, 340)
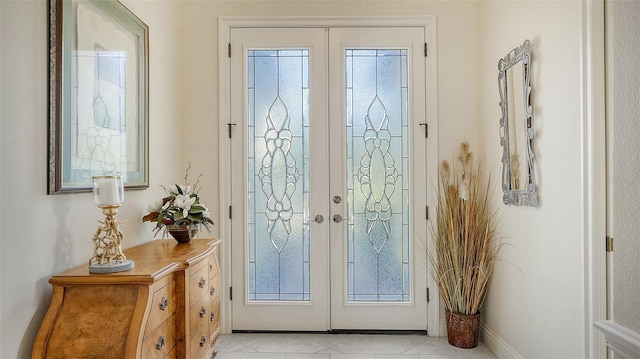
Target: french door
point(328, 175)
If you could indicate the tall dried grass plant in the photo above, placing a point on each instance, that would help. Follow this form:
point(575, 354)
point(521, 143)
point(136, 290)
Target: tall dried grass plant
point(466, 243)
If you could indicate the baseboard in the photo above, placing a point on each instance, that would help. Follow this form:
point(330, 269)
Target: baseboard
point(498, 346)
point(443, 327)
point(622, 340)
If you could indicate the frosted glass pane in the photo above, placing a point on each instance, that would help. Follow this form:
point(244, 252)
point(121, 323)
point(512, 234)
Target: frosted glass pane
point(305, 105)
point(278, 171)
point(378, 239)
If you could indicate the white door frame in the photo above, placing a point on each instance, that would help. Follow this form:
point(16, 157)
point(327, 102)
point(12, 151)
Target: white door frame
point(594, 174)
point(620, 341)
point(224, 64)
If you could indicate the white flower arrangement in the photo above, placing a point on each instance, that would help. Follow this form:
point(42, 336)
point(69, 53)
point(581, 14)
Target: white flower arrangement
point(181, 206)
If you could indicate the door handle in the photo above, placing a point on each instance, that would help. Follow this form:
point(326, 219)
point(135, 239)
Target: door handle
point(319, 218)
point(337, 218)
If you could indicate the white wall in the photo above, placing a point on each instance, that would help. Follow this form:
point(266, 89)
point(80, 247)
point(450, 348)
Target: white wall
point(536, 303)
point(535, 308)
point(456, 24)
point(42, 234)
point(623, 107)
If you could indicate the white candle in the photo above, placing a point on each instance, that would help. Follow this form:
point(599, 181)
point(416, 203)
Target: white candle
point(108, 195)
point(109, 191)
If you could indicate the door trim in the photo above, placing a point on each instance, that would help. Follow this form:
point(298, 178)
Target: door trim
point(225, 24)
point(594, 175)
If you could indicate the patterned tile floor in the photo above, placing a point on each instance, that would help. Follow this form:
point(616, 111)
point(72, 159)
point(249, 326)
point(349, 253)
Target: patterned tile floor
point(342, 346)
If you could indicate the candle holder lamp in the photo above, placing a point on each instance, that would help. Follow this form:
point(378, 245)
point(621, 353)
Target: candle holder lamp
point(108, 193)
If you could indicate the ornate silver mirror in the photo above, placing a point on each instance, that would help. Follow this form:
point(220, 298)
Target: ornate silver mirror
point(516, 132)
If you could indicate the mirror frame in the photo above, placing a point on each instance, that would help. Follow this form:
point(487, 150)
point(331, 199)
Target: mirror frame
point(527, 196)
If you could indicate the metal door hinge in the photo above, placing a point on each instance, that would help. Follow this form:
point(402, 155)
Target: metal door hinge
point(426, 129)
point(230, 212)
point(230, 125)
point(427, 294)
point(427, 212)
point(609, 244)
point(425, 49)
point(229, 50)
point(230, 293)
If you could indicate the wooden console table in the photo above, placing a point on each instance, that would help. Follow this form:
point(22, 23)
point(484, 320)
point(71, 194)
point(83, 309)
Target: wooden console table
point(166, 307)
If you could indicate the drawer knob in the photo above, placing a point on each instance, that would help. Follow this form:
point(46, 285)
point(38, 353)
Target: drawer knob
point(203, 341)
point(202, 282)
point(212, 291)
point(203, 312)
point(160, 343)
point(213, 316)
point(164, 303)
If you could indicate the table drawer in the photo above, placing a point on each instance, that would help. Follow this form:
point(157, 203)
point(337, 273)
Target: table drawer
point(163, 305)
point(198, 284)
point(160, 342)
point(215, 337)
point(199, 316)
point(199, 344)
point(214, 287)
point(214, 266)
point(213, 313)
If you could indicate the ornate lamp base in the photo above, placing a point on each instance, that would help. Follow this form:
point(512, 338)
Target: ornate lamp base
point(111, 267)
point(107, 254)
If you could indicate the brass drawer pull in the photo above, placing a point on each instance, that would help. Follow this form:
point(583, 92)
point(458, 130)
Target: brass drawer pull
point(160, 343)
point(203, 312)
point(212, 291)
point(202, 282)
point(203, 341)
point(213, 316)
point(164, 303)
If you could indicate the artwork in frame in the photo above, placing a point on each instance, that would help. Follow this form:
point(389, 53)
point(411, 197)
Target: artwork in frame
point(98, 95)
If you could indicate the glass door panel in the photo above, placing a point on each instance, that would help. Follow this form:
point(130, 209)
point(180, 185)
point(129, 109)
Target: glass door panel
point(377, 104)
point(378, 257)
point(279, 257)
point(278, 174)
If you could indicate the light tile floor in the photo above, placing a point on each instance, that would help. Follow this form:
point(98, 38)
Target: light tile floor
point(342, 346)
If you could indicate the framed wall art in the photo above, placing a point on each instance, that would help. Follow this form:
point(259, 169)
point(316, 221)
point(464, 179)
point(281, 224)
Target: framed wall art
point(98, 95)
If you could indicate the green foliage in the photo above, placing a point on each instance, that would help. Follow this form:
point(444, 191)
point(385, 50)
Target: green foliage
point(181, 206)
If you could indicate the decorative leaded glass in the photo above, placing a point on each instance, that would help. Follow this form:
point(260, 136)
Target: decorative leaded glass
point(101, 145)
point(278, 241)
point(378, 256)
